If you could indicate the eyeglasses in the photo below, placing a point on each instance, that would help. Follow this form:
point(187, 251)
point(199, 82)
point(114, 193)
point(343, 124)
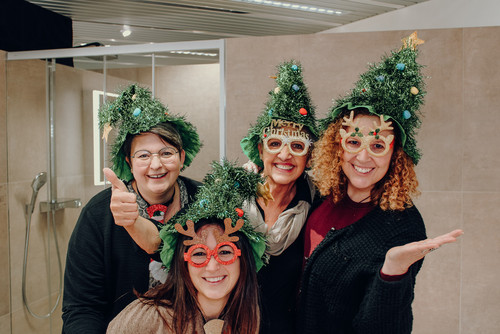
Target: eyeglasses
point(199, 255)
point(144, 157)
point(297, 146)
point(376, 147)
point(375, 144)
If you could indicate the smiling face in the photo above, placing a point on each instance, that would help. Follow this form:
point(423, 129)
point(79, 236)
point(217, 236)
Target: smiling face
point(363, 169)
point(214, 281)
point(283, 167)
point(155, 180)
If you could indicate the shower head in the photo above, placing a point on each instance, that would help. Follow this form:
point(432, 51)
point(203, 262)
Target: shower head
point(38, 182)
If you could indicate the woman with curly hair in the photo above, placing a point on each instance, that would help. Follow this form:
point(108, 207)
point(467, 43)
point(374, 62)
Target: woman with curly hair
point(364, 244)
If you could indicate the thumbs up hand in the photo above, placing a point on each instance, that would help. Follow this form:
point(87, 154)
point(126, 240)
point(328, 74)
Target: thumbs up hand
point(123, 203)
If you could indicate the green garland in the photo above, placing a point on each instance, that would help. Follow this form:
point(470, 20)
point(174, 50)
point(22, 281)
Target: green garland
point(289, 101)
point(221, 196)
point(134, 111)
point(393, 88)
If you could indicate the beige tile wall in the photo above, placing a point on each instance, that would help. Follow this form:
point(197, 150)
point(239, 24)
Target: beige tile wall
point(457, 290)
point(4, 210)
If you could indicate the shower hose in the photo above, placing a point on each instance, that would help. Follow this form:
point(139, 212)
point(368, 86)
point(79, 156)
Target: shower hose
point(51, 217)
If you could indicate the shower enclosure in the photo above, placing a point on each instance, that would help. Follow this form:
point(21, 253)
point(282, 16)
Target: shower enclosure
point(48, 133)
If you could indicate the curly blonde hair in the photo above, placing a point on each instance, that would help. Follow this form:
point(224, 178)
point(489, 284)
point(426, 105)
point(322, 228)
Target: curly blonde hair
point(393, 192)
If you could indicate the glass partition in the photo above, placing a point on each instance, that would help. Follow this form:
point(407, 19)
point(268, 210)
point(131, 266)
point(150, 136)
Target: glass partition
point(68, 146)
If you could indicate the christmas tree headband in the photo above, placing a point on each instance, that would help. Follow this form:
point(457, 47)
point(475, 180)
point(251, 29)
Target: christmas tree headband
point(134, 111)
point(220, 197)
point(289, 104)
point(393, 88)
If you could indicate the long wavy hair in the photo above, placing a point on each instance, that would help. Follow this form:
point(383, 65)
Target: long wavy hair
point(393, 192)
point(178, 293)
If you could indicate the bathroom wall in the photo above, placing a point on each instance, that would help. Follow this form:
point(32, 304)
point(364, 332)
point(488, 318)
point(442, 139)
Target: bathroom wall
point(4, 212)
point(457, 290)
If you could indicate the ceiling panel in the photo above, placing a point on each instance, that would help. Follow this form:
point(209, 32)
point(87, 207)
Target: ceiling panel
point(160, 21)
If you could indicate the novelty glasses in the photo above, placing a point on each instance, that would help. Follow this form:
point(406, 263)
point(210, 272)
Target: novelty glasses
point(199, 255)
point(297, 146)
point(374, 143)
point(144, 157)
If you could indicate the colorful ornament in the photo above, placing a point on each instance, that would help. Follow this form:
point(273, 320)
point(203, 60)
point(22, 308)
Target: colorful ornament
point(380, 78)
point(134, 97)
point(295, 67)
point(414, 90)
point(236, 184)
point(276, 90)
point(239, 212)
point(203, 203)
point(295, 88)
point(137, 112)
point(303, 111)
point(270, 112)
point(406, 114)
point(400, 66)
point(364, 90)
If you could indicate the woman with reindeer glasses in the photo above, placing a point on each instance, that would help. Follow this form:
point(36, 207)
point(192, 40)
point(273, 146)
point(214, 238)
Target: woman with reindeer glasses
point(365, 243)
point(212, 254)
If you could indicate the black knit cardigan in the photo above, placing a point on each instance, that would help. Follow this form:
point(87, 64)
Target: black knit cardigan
point(341, 290)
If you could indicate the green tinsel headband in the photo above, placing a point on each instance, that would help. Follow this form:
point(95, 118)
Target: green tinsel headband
point(289, 101)
point(393, 88)
point(221, 196)
point(135, 111)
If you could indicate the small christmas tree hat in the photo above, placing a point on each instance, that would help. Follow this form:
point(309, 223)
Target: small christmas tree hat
point(134, 111)
point(393, 88)
point(221, 196)
point(289, 101)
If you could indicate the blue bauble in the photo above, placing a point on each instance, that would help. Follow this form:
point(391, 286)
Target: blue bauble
point(400, 66)
point(295, 67)
point(406, 114)
point(295, 87)
point(380, 78)
point(137, 112)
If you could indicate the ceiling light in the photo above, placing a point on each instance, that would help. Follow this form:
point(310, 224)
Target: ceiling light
point(126, 31)
point(205, 54)
point(301, 7)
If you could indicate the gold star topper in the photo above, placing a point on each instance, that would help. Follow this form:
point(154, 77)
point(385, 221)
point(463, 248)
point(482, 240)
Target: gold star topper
point(412, 41)
point(105, 131)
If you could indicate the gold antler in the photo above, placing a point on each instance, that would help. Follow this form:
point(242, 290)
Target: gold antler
point(350, 121)
point(229, 229)
point(383, 125)
point(190, 232)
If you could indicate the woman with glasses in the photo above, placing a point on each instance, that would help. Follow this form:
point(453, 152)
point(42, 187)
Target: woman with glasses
point(212, 253)
point(104, 265)
point(365, 243)
point(279, 147)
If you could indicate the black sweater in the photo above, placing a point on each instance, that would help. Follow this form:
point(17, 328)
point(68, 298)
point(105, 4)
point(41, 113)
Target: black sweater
point(103, 267)
point(342, 291)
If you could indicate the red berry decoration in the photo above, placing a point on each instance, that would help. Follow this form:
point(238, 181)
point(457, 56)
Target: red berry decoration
point(303, 111)
point(239, 211)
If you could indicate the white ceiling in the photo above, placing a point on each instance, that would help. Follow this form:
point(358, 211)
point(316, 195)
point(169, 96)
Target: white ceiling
point(159, 21)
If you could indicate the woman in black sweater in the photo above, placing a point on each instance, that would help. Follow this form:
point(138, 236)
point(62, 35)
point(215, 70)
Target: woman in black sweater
point(362, 243)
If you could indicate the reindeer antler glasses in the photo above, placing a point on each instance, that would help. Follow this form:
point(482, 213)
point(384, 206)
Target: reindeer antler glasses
point(376, 144)
point(226, 252)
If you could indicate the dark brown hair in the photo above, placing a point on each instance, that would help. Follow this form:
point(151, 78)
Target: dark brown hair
point(165, 131)
point(241, 312)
